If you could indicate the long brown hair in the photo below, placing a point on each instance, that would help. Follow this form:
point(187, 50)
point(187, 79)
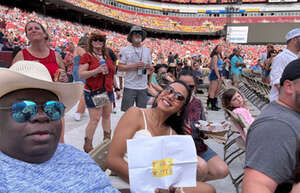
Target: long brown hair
point(90, 46)
point(215, 52)
point(227, 96)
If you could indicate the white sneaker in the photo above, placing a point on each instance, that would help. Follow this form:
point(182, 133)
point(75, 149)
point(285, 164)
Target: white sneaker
point(77, 116)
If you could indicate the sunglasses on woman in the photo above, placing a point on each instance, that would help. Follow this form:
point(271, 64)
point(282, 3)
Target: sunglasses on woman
point(26, 110)
point(178, 96)
point(97, 39)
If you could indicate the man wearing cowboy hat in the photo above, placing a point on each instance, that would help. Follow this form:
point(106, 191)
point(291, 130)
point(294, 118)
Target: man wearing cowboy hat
point(135, 60)
point(31, 160)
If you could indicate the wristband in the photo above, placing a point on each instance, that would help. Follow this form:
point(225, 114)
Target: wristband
point(117, 90)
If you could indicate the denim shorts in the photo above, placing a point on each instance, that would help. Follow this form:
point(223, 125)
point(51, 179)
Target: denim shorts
point(208, 154)
point(212, 76)
point(89, 102)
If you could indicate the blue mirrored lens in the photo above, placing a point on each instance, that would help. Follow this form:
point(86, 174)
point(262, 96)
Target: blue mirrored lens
point(54, 109)
point(24, 111)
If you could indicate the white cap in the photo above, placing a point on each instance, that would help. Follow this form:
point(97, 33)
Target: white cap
point(292, 34)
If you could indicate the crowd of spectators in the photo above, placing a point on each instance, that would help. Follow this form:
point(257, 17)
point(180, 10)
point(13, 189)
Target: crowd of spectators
point(172, 23)
point(61, 33)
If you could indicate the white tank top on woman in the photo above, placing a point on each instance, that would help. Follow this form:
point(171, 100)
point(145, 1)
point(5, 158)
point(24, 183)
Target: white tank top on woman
point(116, 181)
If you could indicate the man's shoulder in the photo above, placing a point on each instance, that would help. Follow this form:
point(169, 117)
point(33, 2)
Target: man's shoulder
point(275, 114)
point(66, 153)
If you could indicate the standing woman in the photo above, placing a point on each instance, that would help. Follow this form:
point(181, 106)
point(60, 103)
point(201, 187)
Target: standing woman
point(214, 77)
point(78, 53)
point(96, 76)
point(40, 51)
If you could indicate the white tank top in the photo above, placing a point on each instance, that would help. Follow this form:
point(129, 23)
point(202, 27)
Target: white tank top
point(144, 133)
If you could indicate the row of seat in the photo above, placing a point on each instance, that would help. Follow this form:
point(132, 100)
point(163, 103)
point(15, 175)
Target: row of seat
point(255, 91)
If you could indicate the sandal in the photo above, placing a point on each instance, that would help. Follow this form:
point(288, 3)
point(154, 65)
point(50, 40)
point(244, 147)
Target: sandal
point(107, 135)
point(88, 145)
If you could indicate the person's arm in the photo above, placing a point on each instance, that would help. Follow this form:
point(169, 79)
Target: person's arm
point(117, 89)
point(255, 181)
point(156, 87)
point(127, 67)
point(83, 72)
point(126, 128)
point(59, 61)
point(276, 72)
point(18, 57)
point(270, 154)
point(215, 61)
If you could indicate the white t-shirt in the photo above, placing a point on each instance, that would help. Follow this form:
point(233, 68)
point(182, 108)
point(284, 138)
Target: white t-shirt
point(131, 55)
point(278, 65)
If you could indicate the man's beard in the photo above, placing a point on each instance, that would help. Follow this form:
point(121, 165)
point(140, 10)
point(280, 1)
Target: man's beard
point(137, 40)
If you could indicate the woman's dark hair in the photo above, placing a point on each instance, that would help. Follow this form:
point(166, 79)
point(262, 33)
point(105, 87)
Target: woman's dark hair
point(214, 51)
point(158, 66)
point(271, 52)
point(175, 121)
point(187, 71)
point(226, 98)
point(102, 38)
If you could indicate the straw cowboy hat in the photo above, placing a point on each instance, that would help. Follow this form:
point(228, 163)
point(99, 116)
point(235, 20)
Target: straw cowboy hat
point(30, 74)
point(137, 29)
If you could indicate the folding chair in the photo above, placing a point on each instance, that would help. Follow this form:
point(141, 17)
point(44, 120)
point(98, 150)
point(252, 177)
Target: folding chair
point(237, 136)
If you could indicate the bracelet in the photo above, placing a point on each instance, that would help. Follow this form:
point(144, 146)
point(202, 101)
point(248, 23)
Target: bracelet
point(117, 90)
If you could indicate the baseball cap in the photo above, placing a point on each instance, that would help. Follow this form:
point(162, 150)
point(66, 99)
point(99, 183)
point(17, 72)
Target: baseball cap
point(291, 71)
point(292, 34)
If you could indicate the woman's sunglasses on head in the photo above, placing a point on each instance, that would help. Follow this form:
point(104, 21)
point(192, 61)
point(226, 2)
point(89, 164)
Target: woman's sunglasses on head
point(27, 110)
point(178, 96)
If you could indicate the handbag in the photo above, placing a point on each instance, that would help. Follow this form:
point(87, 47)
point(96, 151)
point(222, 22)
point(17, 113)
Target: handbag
point(99, 97)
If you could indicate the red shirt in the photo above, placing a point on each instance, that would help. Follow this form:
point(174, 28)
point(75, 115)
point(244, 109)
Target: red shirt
point(49, 62)
point(96, 82)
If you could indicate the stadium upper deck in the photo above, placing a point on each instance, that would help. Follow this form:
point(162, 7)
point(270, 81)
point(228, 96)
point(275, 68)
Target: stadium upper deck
point(191, 22)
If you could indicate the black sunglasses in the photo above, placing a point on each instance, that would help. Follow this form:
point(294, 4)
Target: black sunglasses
point(97, 39)
point(178, 96)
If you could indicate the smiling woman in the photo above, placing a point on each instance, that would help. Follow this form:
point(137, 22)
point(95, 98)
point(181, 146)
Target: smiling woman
point(165, 118)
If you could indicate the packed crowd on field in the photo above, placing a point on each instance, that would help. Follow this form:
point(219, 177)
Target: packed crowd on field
point(58, 64)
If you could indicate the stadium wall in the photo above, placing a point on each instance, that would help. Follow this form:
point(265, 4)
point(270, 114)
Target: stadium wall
point(264, 33)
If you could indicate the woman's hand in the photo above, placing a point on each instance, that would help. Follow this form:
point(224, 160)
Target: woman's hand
point(60, 76)
point(171, 189)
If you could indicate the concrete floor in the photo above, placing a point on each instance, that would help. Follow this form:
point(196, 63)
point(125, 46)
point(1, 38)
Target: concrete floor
point(75, 132)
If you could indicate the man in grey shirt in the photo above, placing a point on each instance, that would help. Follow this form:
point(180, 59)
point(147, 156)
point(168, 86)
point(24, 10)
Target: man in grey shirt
point(135, 60)
point(272, 137)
